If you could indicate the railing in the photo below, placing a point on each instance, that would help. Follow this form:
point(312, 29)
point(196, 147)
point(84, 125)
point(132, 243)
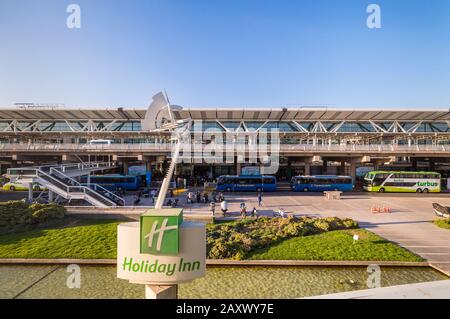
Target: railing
point(168, 147)
point(74, 189)
point(61, 184)
point(98, 188)
point(367, 148)
point(65, 168)
point(69, 180)
point(80, 148)
point(98, 196)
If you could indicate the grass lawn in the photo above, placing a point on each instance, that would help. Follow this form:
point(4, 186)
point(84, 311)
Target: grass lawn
point(337, 245)
point(443, 223)
point(86, 239)
point(98, 239)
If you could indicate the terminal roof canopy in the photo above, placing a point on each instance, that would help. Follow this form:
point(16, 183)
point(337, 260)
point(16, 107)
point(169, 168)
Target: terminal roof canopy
point(312, 115)
point(249, 114)
point(71, 114)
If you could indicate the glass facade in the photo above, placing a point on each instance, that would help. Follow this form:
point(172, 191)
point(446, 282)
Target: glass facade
point(234, 126)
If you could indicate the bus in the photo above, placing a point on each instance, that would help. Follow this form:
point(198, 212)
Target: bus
point(100, 142)
point(228, 183)
point(402, 182)
point(321, 183)
point(114, 182)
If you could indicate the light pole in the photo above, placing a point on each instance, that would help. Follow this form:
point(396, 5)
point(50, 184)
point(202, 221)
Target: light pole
point(179, 133)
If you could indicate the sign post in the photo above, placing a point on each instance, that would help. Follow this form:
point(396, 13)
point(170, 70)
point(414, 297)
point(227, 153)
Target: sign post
point(161, 251)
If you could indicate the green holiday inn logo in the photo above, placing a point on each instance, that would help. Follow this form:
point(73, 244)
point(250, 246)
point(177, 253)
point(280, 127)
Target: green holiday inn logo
point(159, 233)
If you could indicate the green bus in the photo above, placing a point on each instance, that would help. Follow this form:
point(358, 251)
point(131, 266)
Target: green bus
point(402, 182)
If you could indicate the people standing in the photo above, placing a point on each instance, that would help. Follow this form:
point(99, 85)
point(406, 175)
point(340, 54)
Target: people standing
point(224, 207)
point(212, 206)
point(153, 195)
point(254, 213)
point(243, 210)
point(137, 199)
point(260, 202)
point(198, 196)
point(190, 198)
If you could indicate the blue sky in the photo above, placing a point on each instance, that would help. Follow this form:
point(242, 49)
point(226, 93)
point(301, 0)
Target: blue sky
point(214, 53)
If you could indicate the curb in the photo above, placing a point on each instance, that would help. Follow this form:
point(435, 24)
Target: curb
point(223, 262)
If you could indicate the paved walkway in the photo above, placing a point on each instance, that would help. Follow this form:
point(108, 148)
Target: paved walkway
point(425, 290)
point(409, 224)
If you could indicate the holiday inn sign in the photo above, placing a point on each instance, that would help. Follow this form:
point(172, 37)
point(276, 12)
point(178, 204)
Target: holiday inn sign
point(161, 249)
point(160, 234)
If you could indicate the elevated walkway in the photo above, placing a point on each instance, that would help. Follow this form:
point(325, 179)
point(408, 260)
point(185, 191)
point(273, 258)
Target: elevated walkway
point(59, 179)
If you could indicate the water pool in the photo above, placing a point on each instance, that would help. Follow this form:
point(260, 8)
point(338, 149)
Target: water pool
point(24, 281)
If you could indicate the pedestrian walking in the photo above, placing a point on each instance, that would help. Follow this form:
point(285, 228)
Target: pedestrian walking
point(260, 202)
point(190, 198)
point(224, 207)
point(212, 206)
point(243, 210)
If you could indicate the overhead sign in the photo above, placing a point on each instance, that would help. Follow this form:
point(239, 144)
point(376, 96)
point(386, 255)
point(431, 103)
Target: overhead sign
point(161, 249)
point(251, 171)
point(137, 170)
point(363, 170)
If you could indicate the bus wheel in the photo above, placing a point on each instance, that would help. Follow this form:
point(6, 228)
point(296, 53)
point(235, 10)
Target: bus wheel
point(425, 190)
point(418, 190)
point(12, 188)
point(306, 189)
point(228, 189)
point(382, 190)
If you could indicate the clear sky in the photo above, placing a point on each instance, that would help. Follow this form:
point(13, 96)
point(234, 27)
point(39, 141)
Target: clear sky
point(234, 53)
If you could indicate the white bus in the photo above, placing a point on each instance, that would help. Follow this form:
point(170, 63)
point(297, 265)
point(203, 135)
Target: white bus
point(100, 142)
point(402, 182)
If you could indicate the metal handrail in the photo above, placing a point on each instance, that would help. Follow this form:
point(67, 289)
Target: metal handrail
point(90, 185)
point(81, 188)
point(169, 147)
point(120, 199)
point(64, 167)
point(56, 172)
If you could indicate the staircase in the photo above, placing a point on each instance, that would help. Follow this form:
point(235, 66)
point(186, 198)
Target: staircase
point(59, 179)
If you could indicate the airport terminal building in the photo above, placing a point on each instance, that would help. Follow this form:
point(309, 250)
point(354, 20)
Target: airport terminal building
point(312, 140)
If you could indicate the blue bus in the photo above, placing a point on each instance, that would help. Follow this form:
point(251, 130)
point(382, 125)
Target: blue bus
point(114, 182)
point(321, 183)
point(228, 183)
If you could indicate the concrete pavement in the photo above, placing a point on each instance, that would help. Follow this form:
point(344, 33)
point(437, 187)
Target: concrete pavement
point(409, 224)
point(424, 290)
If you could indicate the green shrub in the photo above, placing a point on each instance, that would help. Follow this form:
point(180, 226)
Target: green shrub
point(236, 240)
point(43, 212)
point(443, 223)
point(19, 213)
